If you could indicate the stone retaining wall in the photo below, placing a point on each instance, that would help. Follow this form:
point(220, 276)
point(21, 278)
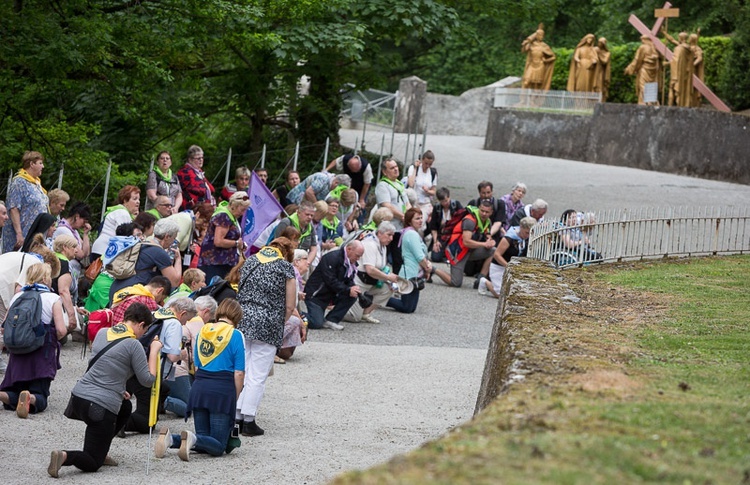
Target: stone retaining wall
point(696, 142)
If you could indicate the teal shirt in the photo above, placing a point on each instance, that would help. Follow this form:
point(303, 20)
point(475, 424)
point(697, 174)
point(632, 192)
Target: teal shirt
point(413, 251)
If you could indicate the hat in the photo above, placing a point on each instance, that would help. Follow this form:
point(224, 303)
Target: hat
point(404, 286)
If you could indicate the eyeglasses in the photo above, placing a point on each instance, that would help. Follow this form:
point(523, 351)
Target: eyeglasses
point(244, 197)
point(166, 205)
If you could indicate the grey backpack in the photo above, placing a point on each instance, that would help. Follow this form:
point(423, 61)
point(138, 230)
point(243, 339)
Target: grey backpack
point(24, 331)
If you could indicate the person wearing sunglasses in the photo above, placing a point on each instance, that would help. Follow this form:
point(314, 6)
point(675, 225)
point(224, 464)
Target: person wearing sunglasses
point(222, 244)
point(162, 208)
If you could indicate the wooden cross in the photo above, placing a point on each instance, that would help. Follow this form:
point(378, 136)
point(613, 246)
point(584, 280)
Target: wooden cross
point(664, 50)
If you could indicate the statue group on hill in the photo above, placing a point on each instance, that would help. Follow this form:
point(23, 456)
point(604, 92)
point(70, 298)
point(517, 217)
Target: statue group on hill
point(590, 67)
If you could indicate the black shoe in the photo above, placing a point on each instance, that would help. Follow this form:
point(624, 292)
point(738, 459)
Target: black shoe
point(249, 428)
point(476, 281)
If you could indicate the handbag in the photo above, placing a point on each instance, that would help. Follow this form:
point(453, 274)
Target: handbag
point(70, 409)
point(418, 282)
point(94, 269)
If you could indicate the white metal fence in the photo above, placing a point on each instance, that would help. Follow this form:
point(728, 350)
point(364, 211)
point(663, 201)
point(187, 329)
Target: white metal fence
point(554, 101)
point(620, 235)
point(370, 106)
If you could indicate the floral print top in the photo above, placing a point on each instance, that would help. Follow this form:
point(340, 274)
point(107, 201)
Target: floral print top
point(210, 254)
point(30, 200)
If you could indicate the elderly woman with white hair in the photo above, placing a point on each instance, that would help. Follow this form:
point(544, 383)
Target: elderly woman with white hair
point(513, 201)
point(222, 244)
point(373, 274)
point(158, 255)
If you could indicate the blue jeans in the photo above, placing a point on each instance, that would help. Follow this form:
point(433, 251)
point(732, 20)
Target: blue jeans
point(212, 431)
point(316, 311)
point(407, 303)
point(179, 393)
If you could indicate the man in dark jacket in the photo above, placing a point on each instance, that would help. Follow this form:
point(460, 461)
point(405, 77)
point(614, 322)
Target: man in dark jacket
point(332, 282)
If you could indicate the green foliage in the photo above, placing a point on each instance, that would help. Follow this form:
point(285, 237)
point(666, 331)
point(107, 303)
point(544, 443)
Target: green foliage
point(735, 78)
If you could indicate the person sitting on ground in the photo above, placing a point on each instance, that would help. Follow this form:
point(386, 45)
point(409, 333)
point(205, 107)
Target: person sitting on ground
point(128, 202)
point(512, 245)
point(184, 373)
point(162, 207)
point(379, 215)
point(373, 276)
point(302, 221)
point(470, 241)
point(98, 296)
point(513, 201)
point(332, 283)
point(26, 386)
point(536, 210)
point(220, 372)
point(241, 183)
point(193, 280)
point(416, 263)
point(162, 181)
point(317, 186)
point(170, 335)
point(159, 256)
point(576, 238)
point(441, 213)
point(151, 295)
point(99, 397)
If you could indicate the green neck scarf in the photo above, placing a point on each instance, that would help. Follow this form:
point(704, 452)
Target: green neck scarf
point(61, 257)
point(483, 226)
point(336, 193)
point(223, 208)
point(295, 221)
point(166, 177)
point(332, 225)
point(116, 208)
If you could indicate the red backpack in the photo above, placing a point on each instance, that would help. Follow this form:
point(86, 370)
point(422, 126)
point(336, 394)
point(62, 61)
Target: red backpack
point(98, 320)
point(447, 231)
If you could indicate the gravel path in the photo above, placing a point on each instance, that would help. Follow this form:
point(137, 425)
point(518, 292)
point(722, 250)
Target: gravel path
point(351, 399)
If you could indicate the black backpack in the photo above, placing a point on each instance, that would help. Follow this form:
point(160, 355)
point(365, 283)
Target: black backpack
point(24, 331)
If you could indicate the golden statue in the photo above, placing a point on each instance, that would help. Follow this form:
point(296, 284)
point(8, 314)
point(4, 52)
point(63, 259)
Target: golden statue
point(697, 65)
point(582, 76)
point(680, 71)
point(645, 67)
point(603, 69)
point(540, 61)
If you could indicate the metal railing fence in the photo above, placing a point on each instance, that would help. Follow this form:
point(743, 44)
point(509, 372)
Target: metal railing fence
point(553, 101)
point(370, 106)
point(623, 234)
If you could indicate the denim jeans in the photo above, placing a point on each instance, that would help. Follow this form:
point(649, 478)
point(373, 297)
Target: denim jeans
point(316, 311)
point(407, 303)
point(179, 393)
point(212, 432)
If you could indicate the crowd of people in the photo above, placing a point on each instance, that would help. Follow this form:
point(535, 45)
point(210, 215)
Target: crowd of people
point(178, 285)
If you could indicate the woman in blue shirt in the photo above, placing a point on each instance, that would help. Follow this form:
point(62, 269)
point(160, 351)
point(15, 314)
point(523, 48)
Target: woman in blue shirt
point(220, 373)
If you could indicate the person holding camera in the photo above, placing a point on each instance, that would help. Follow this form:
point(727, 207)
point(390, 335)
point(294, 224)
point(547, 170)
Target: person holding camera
point(417, 265)
point(332, 283)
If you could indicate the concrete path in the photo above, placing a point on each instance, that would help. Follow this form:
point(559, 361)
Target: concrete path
point(351, 399)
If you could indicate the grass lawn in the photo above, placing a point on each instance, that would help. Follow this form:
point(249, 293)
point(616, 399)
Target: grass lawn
point(647, 379)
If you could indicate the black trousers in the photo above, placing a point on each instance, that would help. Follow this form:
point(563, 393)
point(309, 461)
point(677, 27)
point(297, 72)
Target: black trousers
point(139, 419)
point(101, 427)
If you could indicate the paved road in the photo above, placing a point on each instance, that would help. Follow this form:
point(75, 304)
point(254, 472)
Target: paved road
point(355, 398)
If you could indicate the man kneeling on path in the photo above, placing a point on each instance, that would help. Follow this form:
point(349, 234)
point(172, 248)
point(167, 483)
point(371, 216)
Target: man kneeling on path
point(470, 241)
point(332, 282)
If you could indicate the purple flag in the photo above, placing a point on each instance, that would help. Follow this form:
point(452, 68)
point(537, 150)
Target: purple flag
point(263, 210)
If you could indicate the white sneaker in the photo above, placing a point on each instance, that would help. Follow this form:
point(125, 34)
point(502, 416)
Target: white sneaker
point(188, 441)
point(368, 318)
point(482, 289)
point(163, 442)
point(332, 325)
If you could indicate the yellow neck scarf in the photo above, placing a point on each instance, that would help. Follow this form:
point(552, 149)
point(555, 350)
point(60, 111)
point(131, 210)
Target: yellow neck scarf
point(135, 290)
point(212, 340)
point(29, 178)
point(268, 254)
point(119, 331)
